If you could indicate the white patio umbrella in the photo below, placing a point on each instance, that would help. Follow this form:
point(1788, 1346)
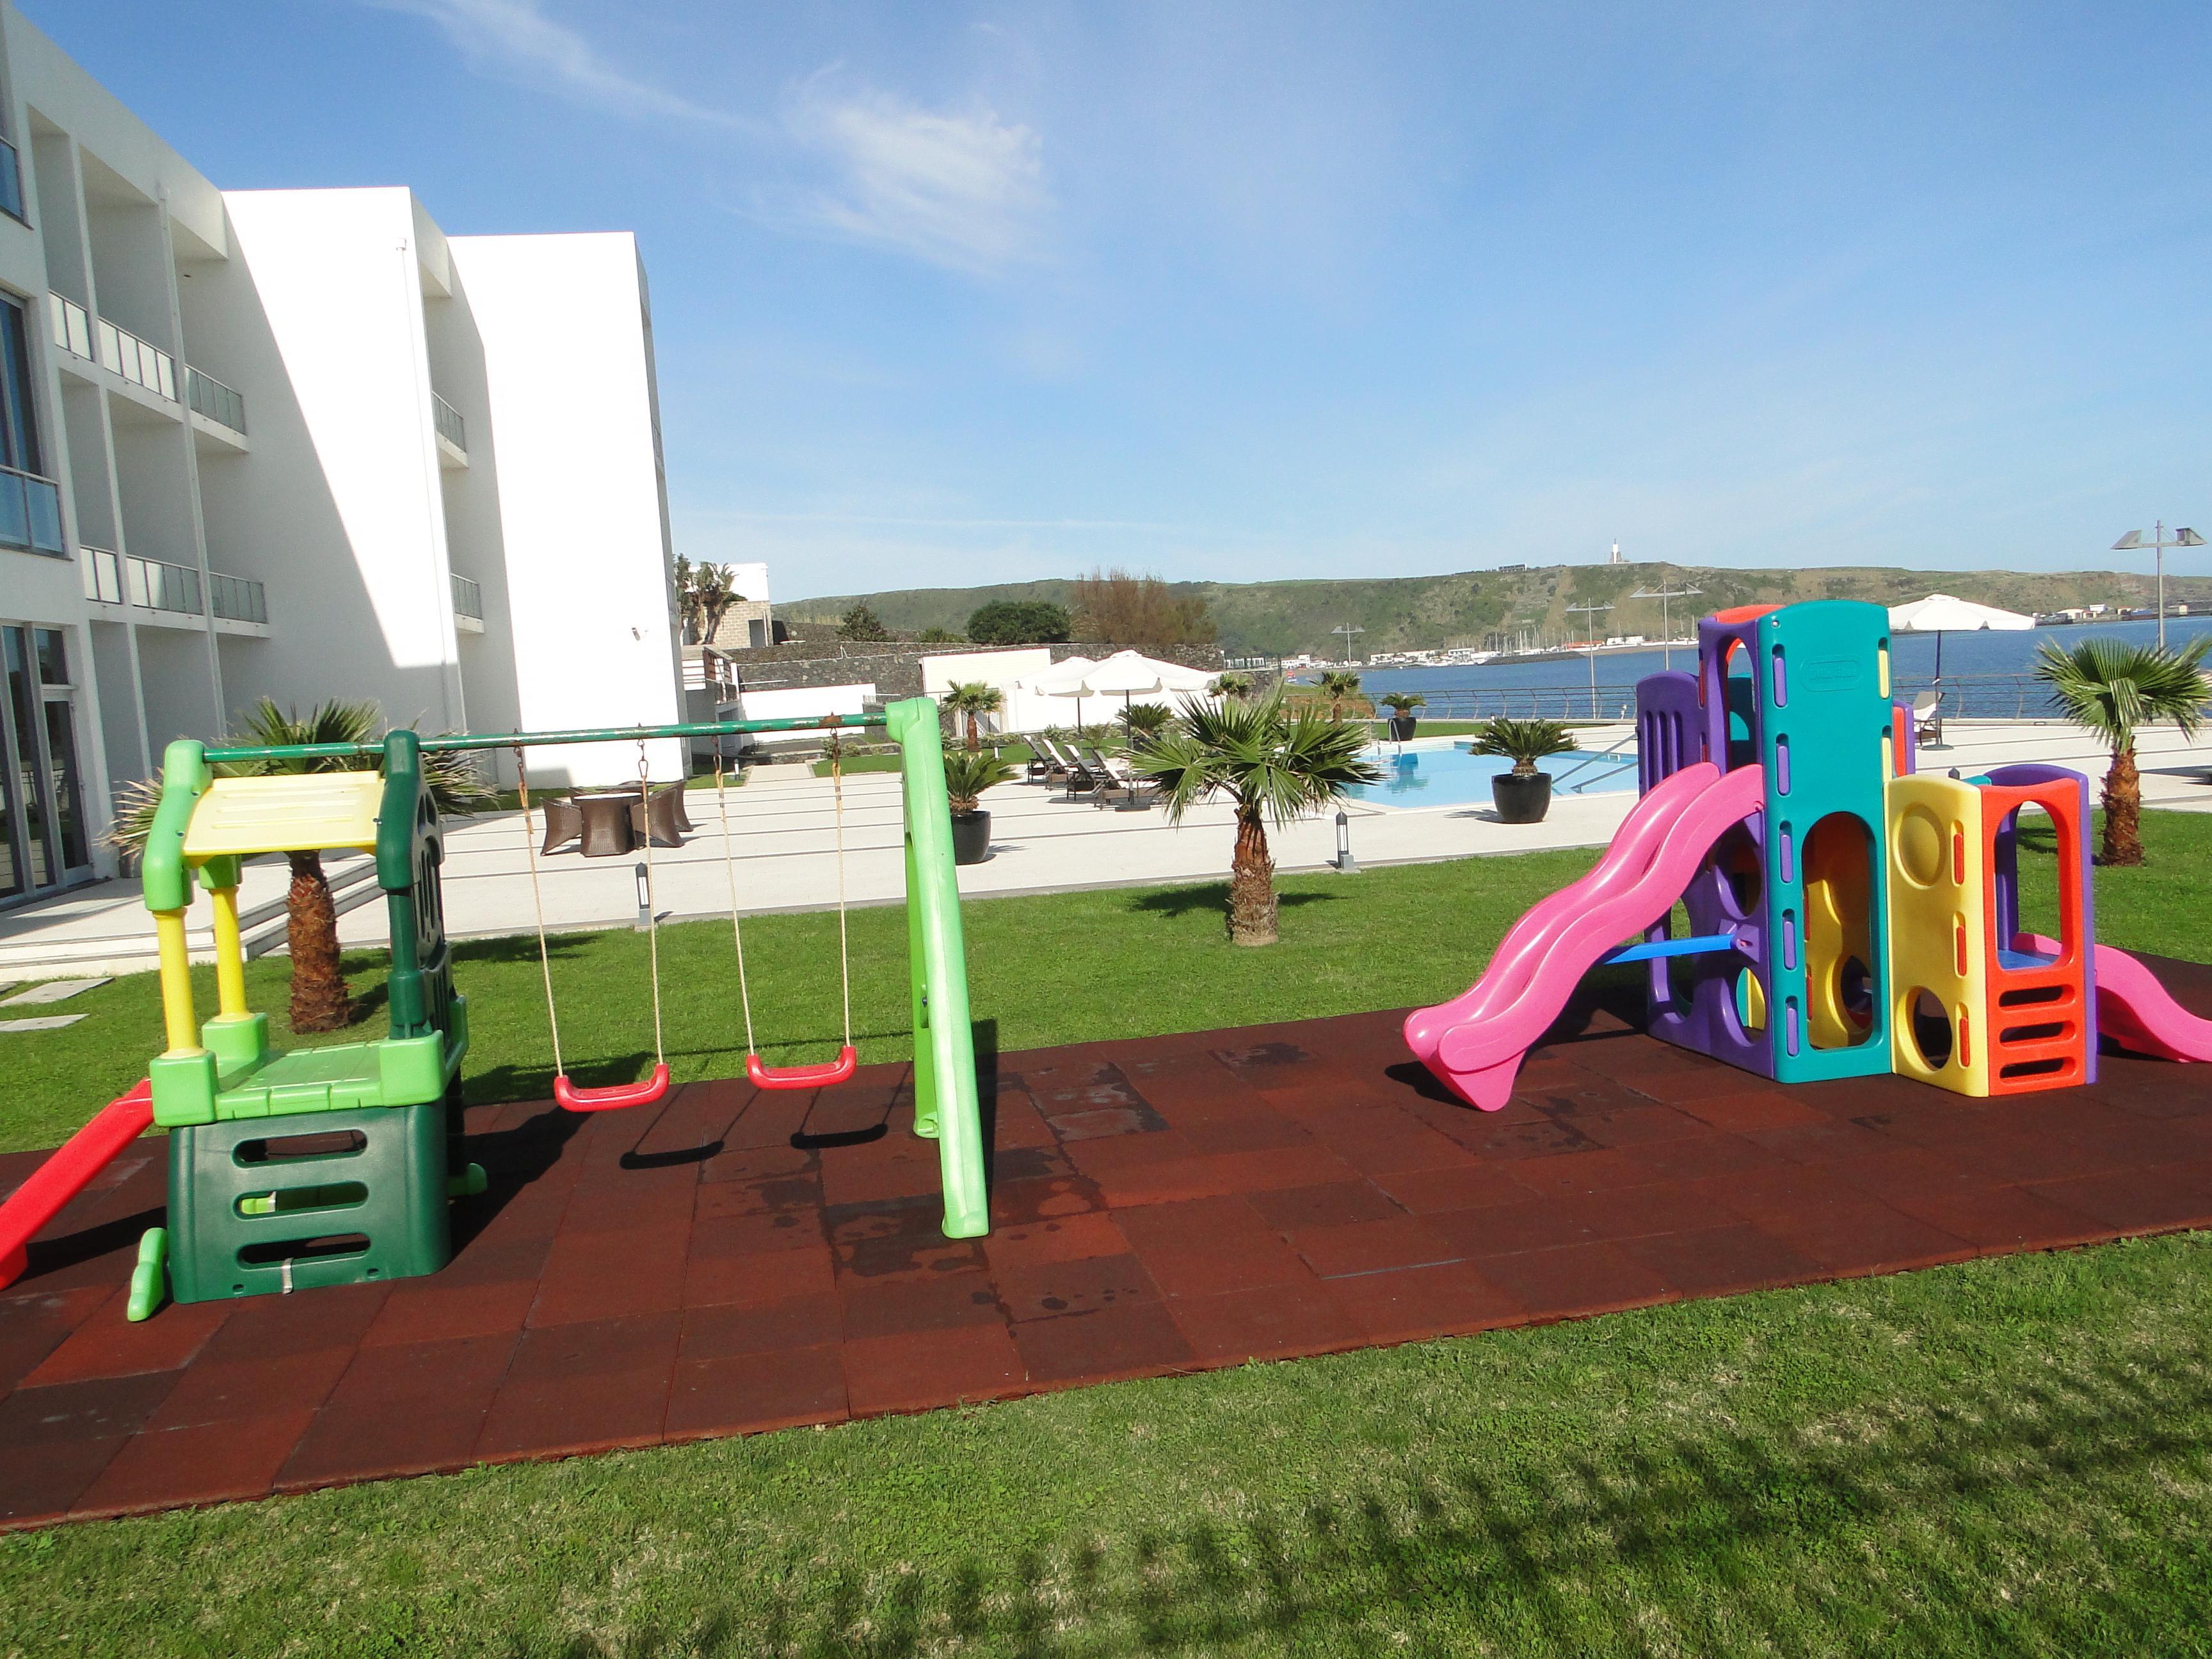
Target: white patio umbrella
point(1128, 674)
point(1943, 613)
point(1063, 679)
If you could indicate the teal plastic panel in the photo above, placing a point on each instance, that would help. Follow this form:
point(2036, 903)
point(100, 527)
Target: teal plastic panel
point(1824, 710)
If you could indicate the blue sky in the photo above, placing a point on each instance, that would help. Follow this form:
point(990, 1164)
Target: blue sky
point(949, 294)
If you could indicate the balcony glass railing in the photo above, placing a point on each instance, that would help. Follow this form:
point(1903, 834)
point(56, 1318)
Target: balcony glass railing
point(237, 598)
point(103, 575)
point(162, 587)
point(31, 513)
point(468, 599)
point(450, 426)
point(11, 182)
point(116, 349)
point(209, 396)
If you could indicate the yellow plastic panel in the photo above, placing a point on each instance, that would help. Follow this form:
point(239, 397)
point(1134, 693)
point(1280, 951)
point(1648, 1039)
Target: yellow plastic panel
point(312, 812)
point(1938, 933)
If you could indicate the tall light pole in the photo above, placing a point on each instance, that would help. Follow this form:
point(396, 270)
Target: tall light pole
point(1347, 630)
point(2133, 541)
point(1666, 627)
point(1593, 610)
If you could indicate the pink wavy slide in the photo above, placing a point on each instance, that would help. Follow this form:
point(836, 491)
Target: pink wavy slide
point(2134, 1009)
point(1475, 1042)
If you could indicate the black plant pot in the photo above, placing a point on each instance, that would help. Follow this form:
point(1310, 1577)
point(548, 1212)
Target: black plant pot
point(971, 837)
point(1401, 727)
point(1520, 800)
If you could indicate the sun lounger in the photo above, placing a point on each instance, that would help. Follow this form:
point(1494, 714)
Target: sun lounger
point(1116, 772)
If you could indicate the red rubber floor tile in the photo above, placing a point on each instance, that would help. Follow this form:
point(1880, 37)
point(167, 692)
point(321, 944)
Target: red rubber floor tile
point(1414, 1304)
point(1721, 1261)
point(1294, 1209)
point(1576, 1281)
point(899, 1307)
point(398, 1436)
point(431, 1310)
point(214, 1463)
point(1267, 1322)
point(1371, 1247)
point(1060, 1238)
point(714, 1281)
point(230, 1390)
point(1861, 1236)
point(455, 1370)
point(756, 1392)
point(1051, 1289)
point(965, 1365)
point(813, 1320)
point(1137, 1340)
point(109, 1345)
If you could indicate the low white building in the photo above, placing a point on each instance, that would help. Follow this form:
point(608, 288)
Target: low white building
point(300, 445)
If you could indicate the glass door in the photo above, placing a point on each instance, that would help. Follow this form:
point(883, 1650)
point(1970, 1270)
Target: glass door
point(43, 837)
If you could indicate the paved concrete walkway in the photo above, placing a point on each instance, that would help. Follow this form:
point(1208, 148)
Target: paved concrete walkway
point(783, 828)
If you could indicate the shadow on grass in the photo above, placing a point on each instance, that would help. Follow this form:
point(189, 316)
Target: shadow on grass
point(1725, 1540)
point(1183, 901)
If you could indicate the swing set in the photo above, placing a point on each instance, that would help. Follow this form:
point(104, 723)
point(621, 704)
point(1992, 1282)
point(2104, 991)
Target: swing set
point(945, 1107)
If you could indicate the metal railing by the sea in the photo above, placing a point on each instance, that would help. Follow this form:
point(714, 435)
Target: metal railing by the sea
point(1964, 696)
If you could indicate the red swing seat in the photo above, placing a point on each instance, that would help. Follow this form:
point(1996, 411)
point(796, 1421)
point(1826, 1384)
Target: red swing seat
point(615, 1095)
point(839, 1070)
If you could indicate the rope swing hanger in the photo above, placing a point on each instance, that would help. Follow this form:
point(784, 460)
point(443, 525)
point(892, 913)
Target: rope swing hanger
point(615, 1095)
point(840, 1069)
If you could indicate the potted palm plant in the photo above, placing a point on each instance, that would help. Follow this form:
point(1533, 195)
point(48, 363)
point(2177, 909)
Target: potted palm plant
point(1272, 766)
point(1145, 721)
point(2109, 687)
point(1401, 705)
point(968, 773)
point(1524, 794)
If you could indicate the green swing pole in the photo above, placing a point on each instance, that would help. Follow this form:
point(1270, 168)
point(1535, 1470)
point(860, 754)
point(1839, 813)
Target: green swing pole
point(944, 1098)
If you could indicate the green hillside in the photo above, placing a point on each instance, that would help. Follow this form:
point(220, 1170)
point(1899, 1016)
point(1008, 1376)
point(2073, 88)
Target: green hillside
point(1400, 613)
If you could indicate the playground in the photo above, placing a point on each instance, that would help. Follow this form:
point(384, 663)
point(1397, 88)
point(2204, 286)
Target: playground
point(1704, 1066)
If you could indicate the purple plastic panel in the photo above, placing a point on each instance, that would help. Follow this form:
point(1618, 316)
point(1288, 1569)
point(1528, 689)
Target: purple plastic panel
point(1713, 639)
point(1781, 678)
point(1670, 728)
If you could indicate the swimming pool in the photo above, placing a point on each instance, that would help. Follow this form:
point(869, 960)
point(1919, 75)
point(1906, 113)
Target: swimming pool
point(1456, 777)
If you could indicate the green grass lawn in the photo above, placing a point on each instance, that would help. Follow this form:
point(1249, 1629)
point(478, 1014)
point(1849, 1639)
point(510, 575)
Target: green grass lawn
point(2008, 1456)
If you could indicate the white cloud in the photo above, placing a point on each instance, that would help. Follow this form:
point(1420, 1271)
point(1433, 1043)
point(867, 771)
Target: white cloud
point(966, 191)
point(517, 38)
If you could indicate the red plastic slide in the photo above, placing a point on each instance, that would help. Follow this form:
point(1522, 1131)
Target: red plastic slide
point(2136, 1012)
point(63, 1175)
point(1475, 1043)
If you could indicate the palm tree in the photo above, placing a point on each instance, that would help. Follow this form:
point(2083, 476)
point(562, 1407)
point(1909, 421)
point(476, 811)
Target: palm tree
point(1272, 765)
point(1339, 686)
point(320, 1001)
point(2109, 687)
point(704, 594)
point(1233, 683)
point(973, 700)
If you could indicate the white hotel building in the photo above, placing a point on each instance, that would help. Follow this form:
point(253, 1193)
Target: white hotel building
point(300, 445)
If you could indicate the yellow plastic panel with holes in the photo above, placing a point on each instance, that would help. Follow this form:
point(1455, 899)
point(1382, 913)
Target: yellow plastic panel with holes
point(1938, 968)
point(311, 812)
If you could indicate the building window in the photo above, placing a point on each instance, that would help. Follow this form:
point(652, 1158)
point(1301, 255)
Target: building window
point(19, 424)
point(43, 832)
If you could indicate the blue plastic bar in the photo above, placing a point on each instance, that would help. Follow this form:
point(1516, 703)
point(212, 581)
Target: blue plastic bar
point(1698, 944)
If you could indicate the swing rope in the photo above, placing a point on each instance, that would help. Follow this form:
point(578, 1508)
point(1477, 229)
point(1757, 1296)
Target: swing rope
point(538, 904)
point(621, 1094)
point(792, 1076)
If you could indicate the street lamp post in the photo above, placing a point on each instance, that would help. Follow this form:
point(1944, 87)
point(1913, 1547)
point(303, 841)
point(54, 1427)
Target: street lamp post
point(1593, 610)
point(1348, 631)
point(1666, 627)
point(2133, 541)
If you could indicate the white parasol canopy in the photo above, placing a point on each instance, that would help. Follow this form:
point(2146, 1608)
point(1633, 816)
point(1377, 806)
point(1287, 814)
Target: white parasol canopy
point(1944, 613)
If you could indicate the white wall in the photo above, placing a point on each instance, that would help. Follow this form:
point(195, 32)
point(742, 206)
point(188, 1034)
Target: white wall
point(803, 702)
point(339, 505)
point(567, 364)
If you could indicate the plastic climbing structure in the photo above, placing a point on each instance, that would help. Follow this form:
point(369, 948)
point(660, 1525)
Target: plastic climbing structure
point(1848, 913)
point(335, 1165)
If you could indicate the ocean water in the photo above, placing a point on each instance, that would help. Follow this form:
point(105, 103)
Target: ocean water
point(1983, 674)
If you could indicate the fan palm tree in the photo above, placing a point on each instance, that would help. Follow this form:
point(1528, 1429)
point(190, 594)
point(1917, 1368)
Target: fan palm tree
point(1339, 686)
point(320, 1001)
point(972, 700)
point(1273, 766)
point(1145, 721)
point(2110, 688)
point(1233, 683)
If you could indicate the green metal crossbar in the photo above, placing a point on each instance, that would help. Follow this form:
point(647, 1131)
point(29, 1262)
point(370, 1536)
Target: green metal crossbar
point(532, 739)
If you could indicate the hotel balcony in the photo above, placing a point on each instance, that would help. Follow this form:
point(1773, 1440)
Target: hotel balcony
point(453, 434)
point(11, 183)
point(468, 605)
point(31, 513)
point(216, 409)
point(238, 604)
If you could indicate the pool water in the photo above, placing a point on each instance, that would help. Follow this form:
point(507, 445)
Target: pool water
point(1457, 777)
